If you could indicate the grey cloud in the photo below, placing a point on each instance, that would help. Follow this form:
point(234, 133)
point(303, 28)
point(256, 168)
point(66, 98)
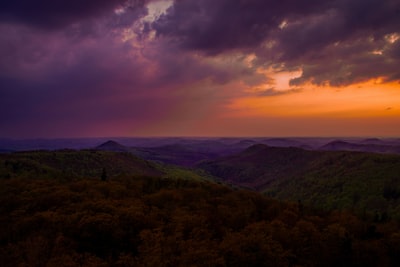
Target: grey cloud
point(217, 26)
point(313, 36)
point(52, 15)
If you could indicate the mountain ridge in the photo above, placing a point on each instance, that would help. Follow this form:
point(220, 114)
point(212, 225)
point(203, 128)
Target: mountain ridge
point(369, 145)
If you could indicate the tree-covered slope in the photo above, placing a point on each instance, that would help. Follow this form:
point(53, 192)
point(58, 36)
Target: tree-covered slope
point(69, 164)
point(364, 182)
point(259, 165)
point(73, 164)
point(153, 221)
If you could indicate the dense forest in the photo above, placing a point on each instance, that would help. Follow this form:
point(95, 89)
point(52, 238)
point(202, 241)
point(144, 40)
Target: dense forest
point(91, 208)
point(368, 184)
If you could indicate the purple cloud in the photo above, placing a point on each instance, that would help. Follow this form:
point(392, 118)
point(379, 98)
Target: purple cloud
point(52, 15)
point(291, 34)
point(84, 64)
point(218, 26)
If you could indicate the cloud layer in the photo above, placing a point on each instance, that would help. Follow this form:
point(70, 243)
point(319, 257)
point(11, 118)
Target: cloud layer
point(84, 64)
point(332, 40)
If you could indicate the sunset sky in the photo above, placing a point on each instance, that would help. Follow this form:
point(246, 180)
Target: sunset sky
point(98, 68)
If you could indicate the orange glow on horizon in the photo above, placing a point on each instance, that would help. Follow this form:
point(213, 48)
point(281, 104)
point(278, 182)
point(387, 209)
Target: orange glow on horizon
point(370, 99)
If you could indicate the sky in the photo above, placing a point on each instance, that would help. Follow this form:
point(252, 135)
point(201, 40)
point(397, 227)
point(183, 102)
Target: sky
point(98, 68)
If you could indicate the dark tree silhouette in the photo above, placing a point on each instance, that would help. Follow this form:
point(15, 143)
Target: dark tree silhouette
point(104, 175)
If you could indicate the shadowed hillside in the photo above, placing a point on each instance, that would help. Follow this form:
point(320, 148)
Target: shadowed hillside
point(181, 152)
point(364, 182)
point(259, 165)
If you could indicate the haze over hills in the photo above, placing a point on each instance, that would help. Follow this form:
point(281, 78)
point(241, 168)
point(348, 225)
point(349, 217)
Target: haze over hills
point(369, 145)
point(188, 152)
point(185, 152)
point(207, 145)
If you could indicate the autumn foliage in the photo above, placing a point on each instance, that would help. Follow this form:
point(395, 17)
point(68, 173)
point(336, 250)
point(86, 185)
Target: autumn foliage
point(141, 220)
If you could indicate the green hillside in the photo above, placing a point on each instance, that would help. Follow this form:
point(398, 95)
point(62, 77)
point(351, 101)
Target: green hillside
point(259, 165)
point(366, 183)
point(73, 164)
point(70, 164)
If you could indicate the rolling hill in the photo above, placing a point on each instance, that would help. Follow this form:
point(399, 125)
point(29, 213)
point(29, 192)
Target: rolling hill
point(182, 153)
point(259, 165)
point(366, 183)
point(71, 164)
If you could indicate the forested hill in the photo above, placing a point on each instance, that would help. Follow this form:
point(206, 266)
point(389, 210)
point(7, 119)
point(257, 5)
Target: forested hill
point(73, 164)
point(259, 165)
point(57, 211)
point(364, 182)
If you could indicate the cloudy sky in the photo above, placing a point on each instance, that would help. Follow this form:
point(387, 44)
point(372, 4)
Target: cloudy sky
point(90, 68)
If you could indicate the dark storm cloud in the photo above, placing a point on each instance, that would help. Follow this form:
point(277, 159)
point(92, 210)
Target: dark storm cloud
point(292, 34)
point(344, 21)
point(376, 15)
point(216, 26)
point(351, 62)
point(50, 14)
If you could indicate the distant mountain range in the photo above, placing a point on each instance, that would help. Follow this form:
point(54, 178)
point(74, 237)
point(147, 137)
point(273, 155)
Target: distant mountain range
point(369, 145)
point(180, 153)
point(188, 152)
point(209, 147)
